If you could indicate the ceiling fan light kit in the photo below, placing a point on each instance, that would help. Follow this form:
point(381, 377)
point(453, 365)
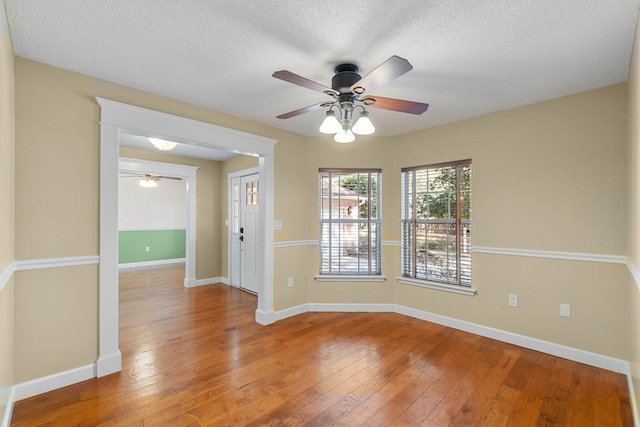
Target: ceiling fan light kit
point(347, 90)
point(344, 136)
point(162, 144)
point(148, 182)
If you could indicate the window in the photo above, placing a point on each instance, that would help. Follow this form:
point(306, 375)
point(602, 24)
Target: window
point(436, 223)
point(350, 237)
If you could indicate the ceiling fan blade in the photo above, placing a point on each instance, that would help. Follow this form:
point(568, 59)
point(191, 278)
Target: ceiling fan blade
point(301, 111)
point(396, 105)
point(290, 77)
point(167, 177)
point(390, 69)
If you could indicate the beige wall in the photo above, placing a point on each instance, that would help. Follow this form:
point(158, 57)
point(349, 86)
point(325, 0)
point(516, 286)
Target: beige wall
point(56, 203)
point(633, 226)
point(7, 147)
point(365, 152)
point(208, 199)
point(549, 176)
point(55, 320)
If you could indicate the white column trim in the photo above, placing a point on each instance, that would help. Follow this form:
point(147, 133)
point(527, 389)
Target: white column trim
point(116, 118)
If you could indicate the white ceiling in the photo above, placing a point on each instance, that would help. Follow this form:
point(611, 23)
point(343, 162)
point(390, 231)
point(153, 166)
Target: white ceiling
point(470, 57)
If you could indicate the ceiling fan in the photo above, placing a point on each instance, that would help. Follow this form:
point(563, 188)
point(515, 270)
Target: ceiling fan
point(350, 91)
point(148, 180)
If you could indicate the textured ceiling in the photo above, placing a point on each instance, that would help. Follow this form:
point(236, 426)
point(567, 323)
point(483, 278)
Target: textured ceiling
point(470, 57)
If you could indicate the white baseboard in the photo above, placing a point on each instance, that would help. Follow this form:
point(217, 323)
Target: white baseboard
point(146, 264)
point(7, 399)
point(292, 311)
point(352, 308)
point(53, 382)
point(577, 355)
point(266, 317)
point(109, 364)
point(63, 379)
point(192, 283)
point(632, 397)
point(582, 356)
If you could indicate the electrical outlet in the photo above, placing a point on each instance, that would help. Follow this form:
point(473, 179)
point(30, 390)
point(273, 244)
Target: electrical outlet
point(147, 249)
point(565, 310)
point(290, 282)
point(513, 300)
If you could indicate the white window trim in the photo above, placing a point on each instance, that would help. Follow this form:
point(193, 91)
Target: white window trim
point(354, 277)
point(350, 278)
point(462, 290)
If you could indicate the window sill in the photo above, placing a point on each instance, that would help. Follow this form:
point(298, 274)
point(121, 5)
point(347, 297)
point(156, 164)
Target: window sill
point(437, 286)
point(349, 278)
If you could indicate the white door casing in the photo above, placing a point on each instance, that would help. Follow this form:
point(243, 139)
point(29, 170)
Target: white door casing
point(117, 118)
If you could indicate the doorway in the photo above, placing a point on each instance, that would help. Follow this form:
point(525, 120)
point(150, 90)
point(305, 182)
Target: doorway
point(117, 118)
point(188, 175)
point(244, 211)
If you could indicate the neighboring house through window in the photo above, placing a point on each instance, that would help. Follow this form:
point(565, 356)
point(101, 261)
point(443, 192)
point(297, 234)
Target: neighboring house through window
point(350, 236)
point(436, 223)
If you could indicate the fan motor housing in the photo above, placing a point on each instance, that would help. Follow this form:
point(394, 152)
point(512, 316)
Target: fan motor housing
point(346, 75)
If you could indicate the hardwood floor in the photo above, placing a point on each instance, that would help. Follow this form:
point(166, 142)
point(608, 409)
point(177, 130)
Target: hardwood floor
point(195, 357)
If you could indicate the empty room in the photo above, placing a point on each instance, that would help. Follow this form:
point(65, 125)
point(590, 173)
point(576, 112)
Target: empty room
point(419, 213)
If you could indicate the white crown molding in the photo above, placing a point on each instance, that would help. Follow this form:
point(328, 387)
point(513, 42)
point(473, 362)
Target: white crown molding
point(532, 253)
point(37, 264)
point(150, 122)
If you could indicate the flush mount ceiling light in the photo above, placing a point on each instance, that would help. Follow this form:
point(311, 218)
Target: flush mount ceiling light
point(162, 144)
point(347, 90)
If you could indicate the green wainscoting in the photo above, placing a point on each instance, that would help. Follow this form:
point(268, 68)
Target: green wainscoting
point(163, 244)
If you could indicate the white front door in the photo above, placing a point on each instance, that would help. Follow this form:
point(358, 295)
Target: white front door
point(249, 192)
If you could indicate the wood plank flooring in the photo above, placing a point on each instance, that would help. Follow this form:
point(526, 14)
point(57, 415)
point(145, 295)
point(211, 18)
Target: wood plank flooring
point(195, 357)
